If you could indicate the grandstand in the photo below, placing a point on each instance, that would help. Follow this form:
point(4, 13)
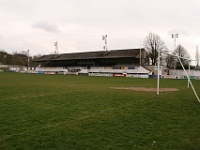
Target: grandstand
point(126, 62)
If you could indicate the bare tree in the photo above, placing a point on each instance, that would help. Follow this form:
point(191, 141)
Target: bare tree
point(197, 57)
point(183, 54)
point(153, 44)
point(2, 56)
point(169, 59)
point(37, 56)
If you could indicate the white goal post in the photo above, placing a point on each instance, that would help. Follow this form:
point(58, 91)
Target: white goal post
point(189, 81)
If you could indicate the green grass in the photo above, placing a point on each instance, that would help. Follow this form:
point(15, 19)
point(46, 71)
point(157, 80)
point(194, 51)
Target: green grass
point(80, 112)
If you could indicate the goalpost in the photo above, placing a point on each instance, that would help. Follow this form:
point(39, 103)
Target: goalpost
point(189, 81)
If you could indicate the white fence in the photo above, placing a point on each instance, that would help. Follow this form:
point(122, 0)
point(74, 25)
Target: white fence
point(178, 72)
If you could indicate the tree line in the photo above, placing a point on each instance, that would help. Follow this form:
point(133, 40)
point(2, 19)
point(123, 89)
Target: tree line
point(17, 58)
point(153, 43)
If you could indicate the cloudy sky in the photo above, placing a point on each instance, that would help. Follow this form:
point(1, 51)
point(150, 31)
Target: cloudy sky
point(78, 25)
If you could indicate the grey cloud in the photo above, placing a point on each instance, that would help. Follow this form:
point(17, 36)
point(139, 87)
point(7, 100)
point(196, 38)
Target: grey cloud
point(49, 27)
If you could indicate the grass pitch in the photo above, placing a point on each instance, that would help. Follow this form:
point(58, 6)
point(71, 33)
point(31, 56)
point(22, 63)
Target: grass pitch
point(80, 112)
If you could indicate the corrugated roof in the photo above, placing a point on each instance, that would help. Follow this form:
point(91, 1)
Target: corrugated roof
point(92, 55)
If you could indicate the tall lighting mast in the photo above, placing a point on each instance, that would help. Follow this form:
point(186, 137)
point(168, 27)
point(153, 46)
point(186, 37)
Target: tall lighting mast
point(104, 37)
point(56, 47)
point(174, 36)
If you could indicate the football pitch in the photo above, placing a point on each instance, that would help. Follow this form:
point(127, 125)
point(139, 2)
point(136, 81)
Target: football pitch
point(81, 112)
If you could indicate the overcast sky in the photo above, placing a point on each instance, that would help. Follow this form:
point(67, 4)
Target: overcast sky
point(78, 25)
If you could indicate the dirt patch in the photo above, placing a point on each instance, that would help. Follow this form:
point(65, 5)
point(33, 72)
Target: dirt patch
point(146, 89)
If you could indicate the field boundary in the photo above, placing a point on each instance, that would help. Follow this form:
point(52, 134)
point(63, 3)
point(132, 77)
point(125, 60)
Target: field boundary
point(146, 89)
